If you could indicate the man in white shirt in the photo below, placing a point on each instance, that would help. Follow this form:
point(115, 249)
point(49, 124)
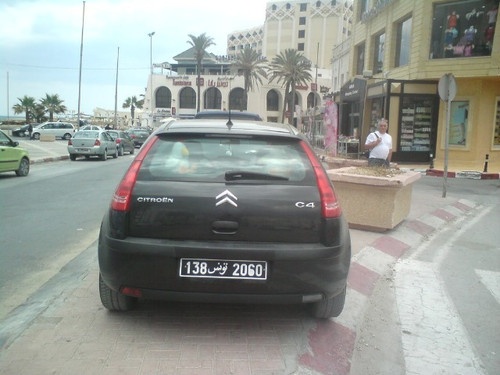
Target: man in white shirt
point(380, 145)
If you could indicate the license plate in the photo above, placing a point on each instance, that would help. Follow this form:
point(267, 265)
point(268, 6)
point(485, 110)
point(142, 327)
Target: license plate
point(223, 269)
point(82, 149)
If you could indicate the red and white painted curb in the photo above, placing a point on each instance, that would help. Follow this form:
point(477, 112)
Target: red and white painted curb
point(332, 342)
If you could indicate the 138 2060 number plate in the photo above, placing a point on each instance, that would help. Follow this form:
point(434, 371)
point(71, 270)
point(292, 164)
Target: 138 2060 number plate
point(223, 269)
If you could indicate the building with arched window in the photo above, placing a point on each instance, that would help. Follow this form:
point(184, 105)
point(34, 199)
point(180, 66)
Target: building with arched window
point(310, 27)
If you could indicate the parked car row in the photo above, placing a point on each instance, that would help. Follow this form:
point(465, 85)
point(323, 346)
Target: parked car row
point(96, 141)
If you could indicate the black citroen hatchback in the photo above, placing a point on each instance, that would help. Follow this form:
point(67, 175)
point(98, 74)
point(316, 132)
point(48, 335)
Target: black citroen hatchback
point(239, 212)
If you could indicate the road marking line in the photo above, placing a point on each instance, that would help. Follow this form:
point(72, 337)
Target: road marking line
point(491, 280)
point(433, 336)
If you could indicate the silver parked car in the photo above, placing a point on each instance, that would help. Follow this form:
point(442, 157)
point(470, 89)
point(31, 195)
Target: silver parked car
point(92, 143)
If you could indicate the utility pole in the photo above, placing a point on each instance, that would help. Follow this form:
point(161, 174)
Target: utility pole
point(80, 74)
point(116, 90)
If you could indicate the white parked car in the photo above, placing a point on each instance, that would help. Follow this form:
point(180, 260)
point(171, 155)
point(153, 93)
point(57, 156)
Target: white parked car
point(92, 143)
point(58, 129)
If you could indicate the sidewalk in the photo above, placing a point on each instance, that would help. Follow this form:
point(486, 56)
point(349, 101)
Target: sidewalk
point(63, 328)
point(41, 152)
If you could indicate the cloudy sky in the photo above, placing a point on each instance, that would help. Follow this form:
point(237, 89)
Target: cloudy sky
point(40, 44)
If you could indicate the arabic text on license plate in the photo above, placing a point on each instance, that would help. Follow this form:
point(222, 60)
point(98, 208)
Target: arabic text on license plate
point(223, 269)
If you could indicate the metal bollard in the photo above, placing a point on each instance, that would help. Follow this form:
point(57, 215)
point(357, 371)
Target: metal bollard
point(485, 169)
point(431, 166)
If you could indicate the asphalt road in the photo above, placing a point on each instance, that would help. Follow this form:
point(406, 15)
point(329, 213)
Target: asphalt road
point(48, 218)
point(436, 311)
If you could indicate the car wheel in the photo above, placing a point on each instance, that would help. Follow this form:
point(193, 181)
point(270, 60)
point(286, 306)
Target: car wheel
point(120, 151)
point(24, 167)
point(67, 136)
point(104, 156)
point(36, 136)
point(113, 300)
point(330, 307)
point(72, 157)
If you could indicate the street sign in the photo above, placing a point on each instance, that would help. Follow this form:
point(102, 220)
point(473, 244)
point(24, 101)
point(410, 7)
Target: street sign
point(447, 87)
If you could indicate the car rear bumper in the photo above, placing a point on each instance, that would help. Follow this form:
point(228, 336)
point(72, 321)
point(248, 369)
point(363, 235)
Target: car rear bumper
point(297, 273)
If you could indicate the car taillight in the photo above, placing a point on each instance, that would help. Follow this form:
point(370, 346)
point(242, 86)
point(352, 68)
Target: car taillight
point(118, 140)
point(330, 206)
point(123, 193)
point(70, 143)
point(97, 142)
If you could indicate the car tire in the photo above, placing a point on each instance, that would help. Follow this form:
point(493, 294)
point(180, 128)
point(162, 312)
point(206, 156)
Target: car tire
point(72, 157)
point(24, 167)
point(104, 156)
point(36, 136)
point(67, 136)
point(120, 151)
point(113, 300)
point(330, 307)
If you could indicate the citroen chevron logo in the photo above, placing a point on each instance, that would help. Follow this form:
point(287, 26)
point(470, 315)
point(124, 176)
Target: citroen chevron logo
point(225, 197)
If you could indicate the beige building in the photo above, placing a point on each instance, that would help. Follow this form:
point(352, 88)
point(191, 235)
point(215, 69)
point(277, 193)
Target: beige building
point(400, 51)
point(311, 27)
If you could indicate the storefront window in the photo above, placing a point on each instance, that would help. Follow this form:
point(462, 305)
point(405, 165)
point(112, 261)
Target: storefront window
point(459, 115)
point(272, 101)
point(463, 28)
point(187, 98)
point(237, 99)
point(213, 98)
point(163, 98)
point(376, 113)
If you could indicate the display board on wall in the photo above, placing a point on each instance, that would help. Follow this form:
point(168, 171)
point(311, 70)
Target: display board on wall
point(416, 125)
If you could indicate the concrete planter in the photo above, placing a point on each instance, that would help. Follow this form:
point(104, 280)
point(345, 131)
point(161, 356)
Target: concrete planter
point(372, 202)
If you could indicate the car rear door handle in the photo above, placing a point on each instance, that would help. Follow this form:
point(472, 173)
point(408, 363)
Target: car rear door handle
point(224, 227)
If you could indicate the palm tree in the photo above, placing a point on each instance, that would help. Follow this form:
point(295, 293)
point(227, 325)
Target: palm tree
point(250, 64)
point(39, 113)
point(53, 104)
point(291, 68)
point(200, 44)
point(132, 103)
point(27, 105)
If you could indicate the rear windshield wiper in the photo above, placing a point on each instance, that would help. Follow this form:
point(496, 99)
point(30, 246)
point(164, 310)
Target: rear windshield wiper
point(245, 175)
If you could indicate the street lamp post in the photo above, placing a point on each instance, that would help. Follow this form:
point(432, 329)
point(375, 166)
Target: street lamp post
point(151, 73)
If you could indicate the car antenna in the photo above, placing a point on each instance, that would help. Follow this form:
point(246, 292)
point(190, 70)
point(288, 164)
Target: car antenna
point(229, 123)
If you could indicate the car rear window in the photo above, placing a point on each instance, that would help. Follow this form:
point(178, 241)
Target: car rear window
point(222, 158)
point(86, 134)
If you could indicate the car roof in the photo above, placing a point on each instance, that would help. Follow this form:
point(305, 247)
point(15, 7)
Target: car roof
point(220, 126)
point(225, 115)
